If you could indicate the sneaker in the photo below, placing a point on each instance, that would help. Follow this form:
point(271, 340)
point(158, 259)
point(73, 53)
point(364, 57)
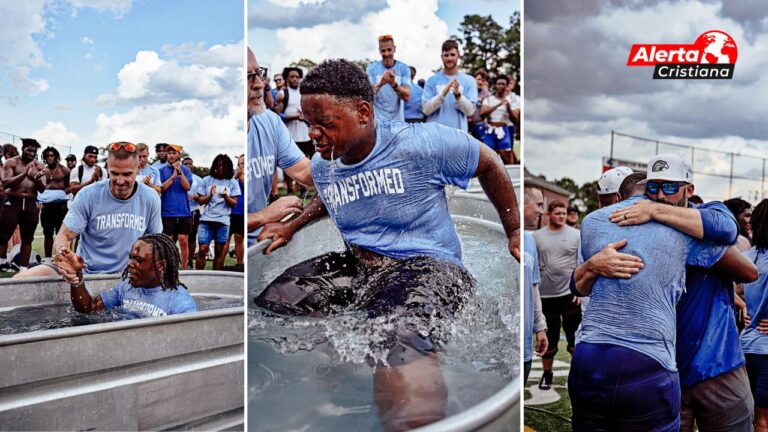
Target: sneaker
point(545, 383)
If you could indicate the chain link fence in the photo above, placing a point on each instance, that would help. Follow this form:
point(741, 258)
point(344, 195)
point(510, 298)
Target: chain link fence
point(15, 139)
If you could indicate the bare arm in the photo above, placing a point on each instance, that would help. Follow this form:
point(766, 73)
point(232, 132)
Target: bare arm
point(281, 233)
point(497, 186)
point(609, 262)
point(64, 239)
point(734, 264)
point(274, 212)
point(686, 220)
point(403, 91)
point(301, 172)
point(9, 179)
point(487, 109)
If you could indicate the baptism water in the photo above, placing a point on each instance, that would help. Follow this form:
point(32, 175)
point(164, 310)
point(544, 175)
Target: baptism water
point(314, 373)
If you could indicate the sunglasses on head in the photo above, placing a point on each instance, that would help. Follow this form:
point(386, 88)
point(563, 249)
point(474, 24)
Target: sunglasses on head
point(261, 72)
point(669, 188)
point(129, 147)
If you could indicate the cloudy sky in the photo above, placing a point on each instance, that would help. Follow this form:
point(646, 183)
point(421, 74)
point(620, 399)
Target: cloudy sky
point(578, 89)
point(282, 31)
point(80, 72)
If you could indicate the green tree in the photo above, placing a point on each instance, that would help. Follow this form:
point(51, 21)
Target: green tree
point(487, 45)
point(304, 63)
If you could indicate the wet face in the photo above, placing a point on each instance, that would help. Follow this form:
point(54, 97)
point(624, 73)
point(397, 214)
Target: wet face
point(501, 86)
point(255, 86)
point(29, 153)
point(293, 79)
point(678, 199)
point(143, 158)
point(122, 176)
point(336, 127)
point(450, 58)
point(141, 266)
point(557, 217)
point(387, 51)
point(172, 155)
point(90, 159)
point(533, 208)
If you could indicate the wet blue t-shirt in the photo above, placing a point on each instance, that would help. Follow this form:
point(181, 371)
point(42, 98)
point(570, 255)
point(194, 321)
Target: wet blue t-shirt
point(217, 209)
point(756, 296)
point(393, 202)
point(531, 277)
point(174, 200)
point(707, 337)
point(639, 313)
point(387, 105)
point(109, 226)
point(269, 146)
point(448, 114)
point(148, 302)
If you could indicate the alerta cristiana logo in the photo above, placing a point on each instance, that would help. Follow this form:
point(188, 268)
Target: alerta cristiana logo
point(711, 56)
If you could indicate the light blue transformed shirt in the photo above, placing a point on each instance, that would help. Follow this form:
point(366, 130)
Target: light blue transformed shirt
point(148, 170)
point(109, 226)
point(393, 202)
point(448, 114)
point(269, 146)
point(196, 180)
point(756, 296)
point(639, 313)
point(531, 277)
point(148, 302)
point(413, 106)
point(217, 209)
point(387, 105)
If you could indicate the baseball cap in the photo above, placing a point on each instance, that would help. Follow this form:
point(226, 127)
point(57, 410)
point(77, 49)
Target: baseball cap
point(668, 167)
point(91, 150)
point(176, 147)
point(70, 157)
point(610, 181)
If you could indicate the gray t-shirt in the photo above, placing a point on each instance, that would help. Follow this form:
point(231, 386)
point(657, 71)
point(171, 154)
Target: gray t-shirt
point(558, 252)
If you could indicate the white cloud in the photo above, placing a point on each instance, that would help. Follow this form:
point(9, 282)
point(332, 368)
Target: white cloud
point(190, 123)
point(415, 26)
point(87, 41)
point(55, 133)
point(118, 7)
point(295, 3)
point(134, 77)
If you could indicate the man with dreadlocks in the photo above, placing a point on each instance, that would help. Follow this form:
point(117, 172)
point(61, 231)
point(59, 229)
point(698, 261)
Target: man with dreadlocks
point(54, 198)
point(218, 193)
point(149, 286)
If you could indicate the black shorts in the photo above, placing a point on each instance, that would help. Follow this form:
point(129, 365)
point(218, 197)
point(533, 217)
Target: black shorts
point(177, 225)
point(51, 217)
point(236, 224)
point(420, 287)
point(21, 212)
point(561, 311)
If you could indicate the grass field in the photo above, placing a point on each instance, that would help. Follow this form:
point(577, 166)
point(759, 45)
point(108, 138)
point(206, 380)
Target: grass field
point(37, 246)
point(549, 410)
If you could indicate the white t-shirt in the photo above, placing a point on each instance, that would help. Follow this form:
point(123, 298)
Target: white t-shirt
point(500, 114)
point(87, 173)
point(298, 129)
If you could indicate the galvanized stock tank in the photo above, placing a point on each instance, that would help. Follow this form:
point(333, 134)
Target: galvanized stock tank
point(500, 411)
point(177, 372)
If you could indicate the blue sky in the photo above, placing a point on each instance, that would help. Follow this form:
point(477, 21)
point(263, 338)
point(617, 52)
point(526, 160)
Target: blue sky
point(317, 29)
point(81, 72)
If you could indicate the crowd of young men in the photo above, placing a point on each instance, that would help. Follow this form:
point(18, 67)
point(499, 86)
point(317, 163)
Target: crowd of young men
point(658, 345)
point(92, 204)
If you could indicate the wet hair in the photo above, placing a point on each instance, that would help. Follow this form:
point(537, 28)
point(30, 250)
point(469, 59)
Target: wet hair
point(759, 223)
point(54, 151)
point(10, 150)
point(629, 186)
point(449, 45)
point(165, 251)
point(554, 205)
point(737, 205)
point(29, 142)
point(142, 147)
point(290, 69)
point(229, 169)
point(339, 78)
point(482, 73)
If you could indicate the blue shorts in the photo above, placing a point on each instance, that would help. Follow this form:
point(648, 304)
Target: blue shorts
point(491, 140)
point(757, 369)
point(617, 388)
point(478, 130)
point(208, 231)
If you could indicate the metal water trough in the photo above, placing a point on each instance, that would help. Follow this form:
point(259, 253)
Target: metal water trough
point(177, 372)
